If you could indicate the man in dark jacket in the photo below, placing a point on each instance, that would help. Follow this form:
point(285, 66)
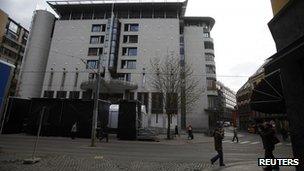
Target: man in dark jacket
point(269, 140)
point(218, 137)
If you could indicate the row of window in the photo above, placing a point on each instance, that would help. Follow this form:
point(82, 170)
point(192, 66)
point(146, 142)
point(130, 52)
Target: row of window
point(210, 69)
point(209, 57)
point(99, 14)
point(61, 94)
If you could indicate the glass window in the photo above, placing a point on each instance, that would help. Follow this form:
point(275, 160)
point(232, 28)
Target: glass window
point(130, 39)
point(208, 45)
point(76, 15)
point(87, 15)
point(128, 64)
point(210, 69)
point(157, 103)
point(13, 27)
point(132, 52)
point(129, 51)
point(93, 52)
point(92, 64)
point(96, 28)
point(206, 35)
point(94, 40)
point(131, 27)
point(209, 57)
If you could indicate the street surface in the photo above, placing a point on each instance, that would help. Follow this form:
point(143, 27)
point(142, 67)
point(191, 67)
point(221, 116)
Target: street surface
point(62, 153)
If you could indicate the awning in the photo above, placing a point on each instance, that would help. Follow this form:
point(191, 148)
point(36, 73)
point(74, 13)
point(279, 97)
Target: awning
point(267, 96)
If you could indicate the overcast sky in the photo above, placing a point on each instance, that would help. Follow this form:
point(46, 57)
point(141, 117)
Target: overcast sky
point(241, 37)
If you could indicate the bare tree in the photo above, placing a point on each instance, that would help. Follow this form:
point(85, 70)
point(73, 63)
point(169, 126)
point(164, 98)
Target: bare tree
point(174, 79)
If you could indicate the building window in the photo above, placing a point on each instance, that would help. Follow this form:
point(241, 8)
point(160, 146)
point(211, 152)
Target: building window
point(92, 64)
point(159, 14)
point(76, 15)
point(128, 77)
point(96, 39)
point(206, 35)
point(209, 57)
point(74, 95)
point(208, 45)
point(210, 69)
point(130, 39)
point(157, 103)
point(131, 27)
point(87, 15)
point(128, 64)
point(98, 28)
point(48, 94)
point(212, 102)
point(61, 94)
point(211, 84)
point(129, 51)
point(13, 27)
point(95, 51)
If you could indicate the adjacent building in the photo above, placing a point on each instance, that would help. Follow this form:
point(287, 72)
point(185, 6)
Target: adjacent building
point(62, 56)
point(284, 72)
point(227, 99)
point(13, 38)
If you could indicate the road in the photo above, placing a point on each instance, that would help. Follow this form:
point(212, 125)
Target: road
point(60, 153)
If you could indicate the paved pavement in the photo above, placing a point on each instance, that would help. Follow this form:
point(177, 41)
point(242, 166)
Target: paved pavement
point(60, 153)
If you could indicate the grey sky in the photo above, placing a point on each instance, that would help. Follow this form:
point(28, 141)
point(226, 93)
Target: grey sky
point(241, 37)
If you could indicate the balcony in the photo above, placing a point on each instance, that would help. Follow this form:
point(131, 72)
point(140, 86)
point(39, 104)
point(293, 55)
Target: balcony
point(109, 86)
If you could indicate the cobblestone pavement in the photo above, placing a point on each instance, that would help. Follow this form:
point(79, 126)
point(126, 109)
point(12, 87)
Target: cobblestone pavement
point(61, 153)
point(14, 162)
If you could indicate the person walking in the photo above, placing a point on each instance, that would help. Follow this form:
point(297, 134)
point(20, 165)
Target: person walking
point(269, 139)
point(176, 131)
point(235, 135)
point(74, 130)
point(190, 133)
point(104, 134)
point(218, 137)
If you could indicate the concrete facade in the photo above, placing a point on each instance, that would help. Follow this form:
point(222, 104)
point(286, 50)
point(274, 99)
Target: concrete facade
point(68, 60)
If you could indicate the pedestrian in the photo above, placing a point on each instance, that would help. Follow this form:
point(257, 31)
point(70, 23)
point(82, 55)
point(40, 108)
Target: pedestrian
point(218, 137)
point(190, 133)
point(104, 134)
point(269, 139)
point(74, 130)
point(235, 135)
point(176, 131)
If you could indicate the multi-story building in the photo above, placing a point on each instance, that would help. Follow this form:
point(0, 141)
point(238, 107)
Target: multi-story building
point(126, 36)
point(227, 98)
point(13, 38)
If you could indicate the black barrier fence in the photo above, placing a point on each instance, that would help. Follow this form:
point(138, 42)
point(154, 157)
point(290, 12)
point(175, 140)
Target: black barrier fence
point(15, 117)
point(128, 119)
point(59, 116)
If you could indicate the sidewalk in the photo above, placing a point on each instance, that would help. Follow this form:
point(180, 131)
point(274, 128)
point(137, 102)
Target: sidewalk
point(183, 139)
point(246, 166)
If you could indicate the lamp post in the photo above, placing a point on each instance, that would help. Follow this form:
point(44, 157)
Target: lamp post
point(96, 97)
